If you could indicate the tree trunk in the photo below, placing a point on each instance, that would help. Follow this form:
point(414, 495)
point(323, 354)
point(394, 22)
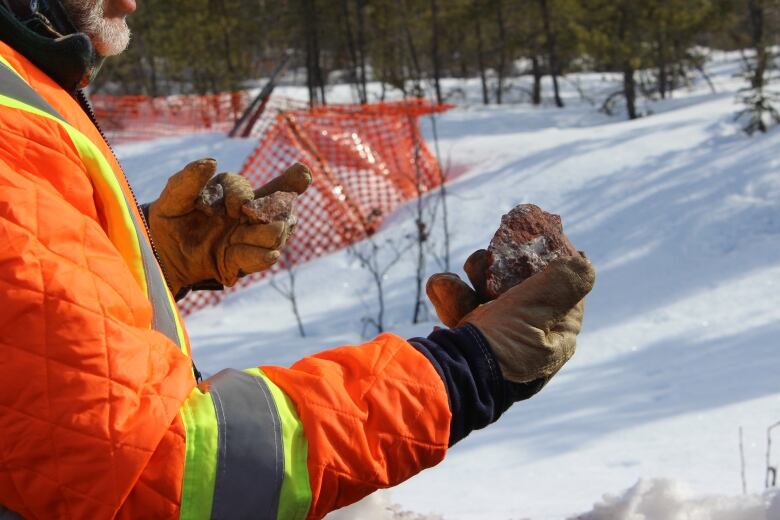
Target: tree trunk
point(352, 49)
point(552, 51)
point(629, 90)
point(756, 15)
point(361, 43)
point(536, 69)
point(403, 6)
point(480, 53)
point(502, 50)
point(314, 76)
point(662, 61)
point(435, 50)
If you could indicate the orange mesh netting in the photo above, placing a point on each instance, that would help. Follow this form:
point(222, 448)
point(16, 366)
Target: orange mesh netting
point(136, 118)
point(366, 160)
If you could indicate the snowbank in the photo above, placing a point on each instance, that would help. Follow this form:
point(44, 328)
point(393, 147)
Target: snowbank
point(662, 499)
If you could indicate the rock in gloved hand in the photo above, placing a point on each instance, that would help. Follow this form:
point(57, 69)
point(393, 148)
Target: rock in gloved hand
point(528, 295)
point(525, 243)
point(528, 239)
point(276, 206)
point(202, 230)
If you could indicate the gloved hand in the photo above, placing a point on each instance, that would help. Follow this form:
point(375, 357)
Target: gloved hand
point(531, 328)
point(199, 230)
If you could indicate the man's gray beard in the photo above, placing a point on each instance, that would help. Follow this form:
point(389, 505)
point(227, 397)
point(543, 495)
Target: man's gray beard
point(109, 36)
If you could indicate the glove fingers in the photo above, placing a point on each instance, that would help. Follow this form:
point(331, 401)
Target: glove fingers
point(549, 295)
point(476, 268)
point(295, 179)
point(242, 259)
point(236, 191)
point(451, 297)
point(179, 195)
point(269, 236)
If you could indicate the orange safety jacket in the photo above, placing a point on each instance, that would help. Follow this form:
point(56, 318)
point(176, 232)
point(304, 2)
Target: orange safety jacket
point(100, 414)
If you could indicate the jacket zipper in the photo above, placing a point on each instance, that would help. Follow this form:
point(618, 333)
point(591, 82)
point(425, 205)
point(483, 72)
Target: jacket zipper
point(86, 106)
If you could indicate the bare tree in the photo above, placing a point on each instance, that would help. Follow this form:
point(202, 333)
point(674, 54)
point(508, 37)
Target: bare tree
point(287, 289)
point(421, 234)
point(770, 478)
point(443, 177)
point(742, 462)
point(378, 258)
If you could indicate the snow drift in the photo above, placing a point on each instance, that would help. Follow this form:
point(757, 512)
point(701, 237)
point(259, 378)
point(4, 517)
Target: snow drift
point(662, 499)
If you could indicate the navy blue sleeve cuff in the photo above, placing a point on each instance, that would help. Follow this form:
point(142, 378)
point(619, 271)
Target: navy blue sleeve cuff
point(478, 394)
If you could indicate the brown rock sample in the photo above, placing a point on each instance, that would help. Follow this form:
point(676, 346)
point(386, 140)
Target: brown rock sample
point(278, 206)
point(528, 239)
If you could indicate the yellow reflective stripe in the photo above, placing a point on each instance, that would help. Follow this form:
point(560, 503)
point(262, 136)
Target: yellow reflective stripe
point(295, 495)
point(184, 341)
point(119, 220)
point(122, 229)
point(200, 462)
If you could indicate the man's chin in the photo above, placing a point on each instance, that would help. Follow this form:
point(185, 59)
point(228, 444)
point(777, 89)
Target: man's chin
point(112, 38)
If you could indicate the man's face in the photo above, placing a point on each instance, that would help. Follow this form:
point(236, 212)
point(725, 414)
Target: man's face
point(103, 21)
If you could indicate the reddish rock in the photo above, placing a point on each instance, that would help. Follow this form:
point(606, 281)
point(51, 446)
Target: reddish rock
point(528, 239)
point(278, 206)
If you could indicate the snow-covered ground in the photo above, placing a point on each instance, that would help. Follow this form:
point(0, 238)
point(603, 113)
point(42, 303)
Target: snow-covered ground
point(680, 213)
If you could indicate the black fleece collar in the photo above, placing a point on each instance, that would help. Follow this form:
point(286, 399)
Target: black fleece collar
point(45, 36)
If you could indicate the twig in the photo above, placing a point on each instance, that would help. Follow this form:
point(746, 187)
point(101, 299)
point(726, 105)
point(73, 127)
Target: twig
point(443, 174)
point(742, 462)
point(700, 69)
point(368, 255)
point(771, 471)
point(288, 291)
point(606, 107)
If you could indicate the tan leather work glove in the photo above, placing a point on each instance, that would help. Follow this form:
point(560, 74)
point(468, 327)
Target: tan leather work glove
point(200, 231)
point(531, 328)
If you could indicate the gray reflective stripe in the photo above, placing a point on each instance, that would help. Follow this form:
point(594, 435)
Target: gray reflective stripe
point(162, 316)
point(14, 87)
point(250, 453)
point(11, 85)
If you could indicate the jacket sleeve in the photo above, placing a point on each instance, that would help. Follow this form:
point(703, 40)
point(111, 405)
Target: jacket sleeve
point(373, 416)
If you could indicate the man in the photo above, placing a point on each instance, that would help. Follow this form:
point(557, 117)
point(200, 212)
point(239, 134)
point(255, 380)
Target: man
point(101, 414)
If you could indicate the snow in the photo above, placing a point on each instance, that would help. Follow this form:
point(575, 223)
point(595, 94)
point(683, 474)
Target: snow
point(679, 212)
point(658, 498)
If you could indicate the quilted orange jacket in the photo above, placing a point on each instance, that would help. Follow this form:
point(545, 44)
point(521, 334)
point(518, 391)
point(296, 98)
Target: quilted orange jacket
point(100, 415)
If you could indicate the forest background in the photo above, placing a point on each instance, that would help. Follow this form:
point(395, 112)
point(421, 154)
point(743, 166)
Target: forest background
point(207, 46)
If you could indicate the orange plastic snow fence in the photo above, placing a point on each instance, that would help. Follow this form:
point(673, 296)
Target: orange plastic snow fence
point(366, 160)
point(137, 118)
